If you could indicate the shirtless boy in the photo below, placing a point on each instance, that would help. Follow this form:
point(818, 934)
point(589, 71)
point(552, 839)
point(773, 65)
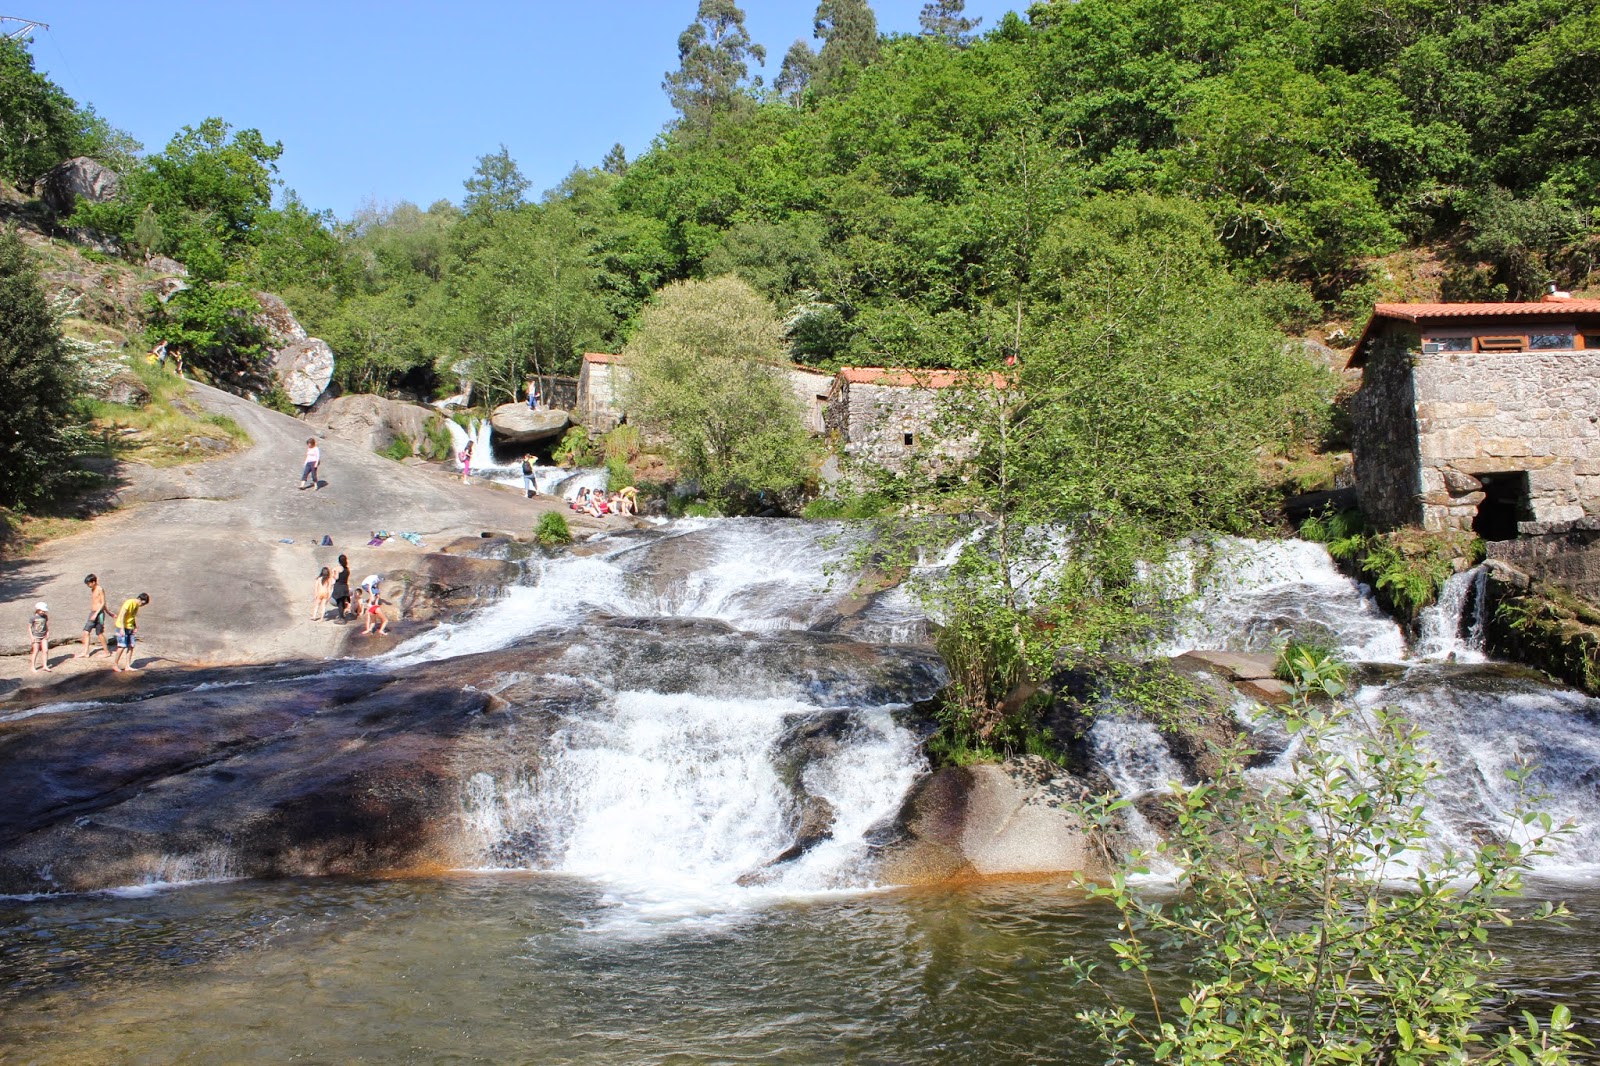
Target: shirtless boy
point(97, 618)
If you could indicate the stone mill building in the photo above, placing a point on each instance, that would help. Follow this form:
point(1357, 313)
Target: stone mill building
point(1480, 416)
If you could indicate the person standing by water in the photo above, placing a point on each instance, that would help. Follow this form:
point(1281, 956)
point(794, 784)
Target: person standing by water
point(39, 638)
point(126, 622)
point(96, 625)
point(321, 594)
point(466, 463)
point(529, 485)
point(533, 394)
point(341, 589)
point(313, 464)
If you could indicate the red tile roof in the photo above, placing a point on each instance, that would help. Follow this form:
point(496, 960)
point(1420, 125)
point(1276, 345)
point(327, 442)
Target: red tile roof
point(599, 357)
point(1424, 313)
point(1418, 312)
point(913, 378)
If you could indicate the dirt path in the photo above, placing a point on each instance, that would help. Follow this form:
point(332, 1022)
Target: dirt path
point(228, 549)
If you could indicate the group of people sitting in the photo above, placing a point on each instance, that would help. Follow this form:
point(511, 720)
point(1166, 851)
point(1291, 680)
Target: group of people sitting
point(597, 502)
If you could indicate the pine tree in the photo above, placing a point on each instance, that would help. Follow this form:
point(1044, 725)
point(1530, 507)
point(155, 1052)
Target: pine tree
point(712, 65)
point(946, 18)
point(798, 65)
point(848, 31)
point(37, 379)
point(616, 160)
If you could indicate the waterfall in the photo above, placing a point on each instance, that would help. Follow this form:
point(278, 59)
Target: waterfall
point(1254, 593)
point(548, 480)
point(1446, 633)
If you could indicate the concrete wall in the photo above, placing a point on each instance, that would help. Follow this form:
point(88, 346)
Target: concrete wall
point(1478, 413)
point(812, 387)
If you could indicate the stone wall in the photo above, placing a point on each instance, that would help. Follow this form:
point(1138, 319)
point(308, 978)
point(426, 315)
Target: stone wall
point(1570, 558)
point(1384, 438)
point(1471, 414)
point(872, 423)
point(813, 388)
point(599, 402)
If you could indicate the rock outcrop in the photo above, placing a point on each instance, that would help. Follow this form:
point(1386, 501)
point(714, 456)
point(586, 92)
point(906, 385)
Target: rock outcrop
point(358, 771)
point(989, 820)
point(304, 368)
point(78, 178)
point(123, 387)
point(517, 423)
point(300, 363)
point(374, 422)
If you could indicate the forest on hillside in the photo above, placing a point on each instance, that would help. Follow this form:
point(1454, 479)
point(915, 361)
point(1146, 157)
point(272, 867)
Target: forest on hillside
point(917, 199)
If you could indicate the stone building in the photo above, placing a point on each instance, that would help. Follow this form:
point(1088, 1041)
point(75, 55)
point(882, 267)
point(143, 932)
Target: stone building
point(888, 417)
point(1480, 416)
point(599, 408)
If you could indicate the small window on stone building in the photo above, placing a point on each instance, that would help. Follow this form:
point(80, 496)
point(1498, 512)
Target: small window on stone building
point(1502, 344)
point(1553, 341)
point(1461, 343)
point(910, 439)
point(1505, 503)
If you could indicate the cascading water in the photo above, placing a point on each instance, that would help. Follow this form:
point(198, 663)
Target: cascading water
point(548, 480)
point(1446, 630)
point(1254, 593)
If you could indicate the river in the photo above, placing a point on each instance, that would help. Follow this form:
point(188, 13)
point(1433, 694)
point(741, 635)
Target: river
point(608, 916)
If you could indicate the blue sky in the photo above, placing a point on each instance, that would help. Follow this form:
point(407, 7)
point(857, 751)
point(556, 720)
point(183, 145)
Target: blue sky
point(382, 102)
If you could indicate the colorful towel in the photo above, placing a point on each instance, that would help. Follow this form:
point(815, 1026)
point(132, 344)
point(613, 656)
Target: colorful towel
point(414, 538)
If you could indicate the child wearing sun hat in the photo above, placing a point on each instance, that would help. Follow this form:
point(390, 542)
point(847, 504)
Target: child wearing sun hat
point(39, 638)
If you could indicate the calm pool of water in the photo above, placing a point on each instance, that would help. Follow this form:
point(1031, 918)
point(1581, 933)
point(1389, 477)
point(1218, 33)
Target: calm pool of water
point(540, 969)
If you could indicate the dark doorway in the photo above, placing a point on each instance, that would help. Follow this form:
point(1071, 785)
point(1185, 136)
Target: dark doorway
point(1505, 503)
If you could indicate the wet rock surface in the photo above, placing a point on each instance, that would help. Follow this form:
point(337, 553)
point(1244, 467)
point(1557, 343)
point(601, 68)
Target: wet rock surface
point(351, 770)
point(989, 820)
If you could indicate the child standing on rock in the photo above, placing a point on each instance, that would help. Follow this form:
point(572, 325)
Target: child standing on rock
point(39, 638)
point(466, 463)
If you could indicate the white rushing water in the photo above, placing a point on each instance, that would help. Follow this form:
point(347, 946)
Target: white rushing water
point(1447, 631)
point(548, 480)
point(1255, 593)
point(681, 801)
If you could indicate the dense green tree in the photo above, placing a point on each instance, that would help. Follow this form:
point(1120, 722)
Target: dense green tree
point(946, 19)
point(848, 31)
point(37, 378)
point(214, 325)
point(704, 368)
point(713, 64)
point(496, 184)
point(207, 190)
point(799, 64)
point(38, 122)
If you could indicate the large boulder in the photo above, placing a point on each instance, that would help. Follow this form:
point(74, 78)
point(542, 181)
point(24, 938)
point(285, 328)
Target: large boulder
point(990, 820)
point(304, 368)
point(374, 422)
point(79, 177)
point(123, 387)
point(279, 322)
point(517, 423)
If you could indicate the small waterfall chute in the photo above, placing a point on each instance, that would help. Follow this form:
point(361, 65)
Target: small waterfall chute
point(1446, 628)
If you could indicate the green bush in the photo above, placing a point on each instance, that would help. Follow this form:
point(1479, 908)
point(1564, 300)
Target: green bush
point(851, 508)
point(622, 443)
point(1312, 667)
point(1316, 923)
point(440, 445)
point(398, 449)
point(618, 473)
point(574, 448)
point(553, 530)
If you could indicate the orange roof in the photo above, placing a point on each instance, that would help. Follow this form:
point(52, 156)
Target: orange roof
point(1428, 313)
point(1418, 312)
point(912, 378)
point(599, 357)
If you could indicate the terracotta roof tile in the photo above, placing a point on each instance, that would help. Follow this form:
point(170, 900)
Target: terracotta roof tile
point(912, 378)
point(1417, 312)
point(599, 357)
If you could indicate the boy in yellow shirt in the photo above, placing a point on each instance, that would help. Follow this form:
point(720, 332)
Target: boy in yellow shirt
point(127, 621)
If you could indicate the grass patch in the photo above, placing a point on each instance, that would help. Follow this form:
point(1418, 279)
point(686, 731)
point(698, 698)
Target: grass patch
point(21, 533)
point(849, 508)
point(399, 450)
point(168, 429)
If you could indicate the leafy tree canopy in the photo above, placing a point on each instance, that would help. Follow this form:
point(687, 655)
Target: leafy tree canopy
point(37, 378)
